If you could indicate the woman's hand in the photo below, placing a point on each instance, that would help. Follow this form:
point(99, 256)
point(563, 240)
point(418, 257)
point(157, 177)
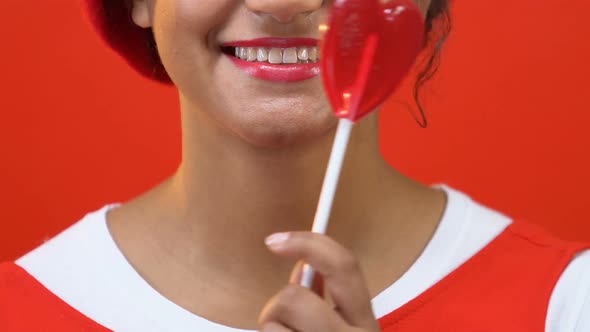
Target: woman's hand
point(296, 308)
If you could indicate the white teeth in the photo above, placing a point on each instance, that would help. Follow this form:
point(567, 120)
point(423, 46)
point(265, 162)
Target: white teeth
point(313, 53)
point(290, 55)
point(252, 54)
point(303, 54)
point(275, 56)
point(243, 53)
point(262, 54)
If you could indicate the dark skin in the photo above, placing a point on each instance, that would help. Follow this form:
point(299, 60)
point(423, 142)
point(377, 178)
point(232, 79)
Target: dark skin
point(254, 157)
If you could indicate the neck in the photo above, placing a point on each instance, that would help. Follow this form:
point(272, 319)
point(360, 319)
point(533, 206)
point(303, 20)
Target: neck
point(229, 195)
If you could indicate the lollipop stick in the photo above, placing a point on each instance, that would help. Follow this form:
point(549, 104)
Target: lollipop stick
point(322, 216)
point(320, 223)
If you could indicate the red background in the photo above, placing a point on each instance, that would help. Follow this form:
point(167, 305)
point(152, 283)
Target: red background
point(508, 113)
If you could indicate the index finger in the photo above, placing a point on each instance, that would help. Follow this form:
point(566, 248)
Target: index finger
point(343, 277)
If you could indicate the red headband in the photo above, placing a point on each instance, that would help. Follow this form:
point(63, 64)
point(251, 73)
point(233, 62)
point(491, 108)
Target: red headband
point(112, 20)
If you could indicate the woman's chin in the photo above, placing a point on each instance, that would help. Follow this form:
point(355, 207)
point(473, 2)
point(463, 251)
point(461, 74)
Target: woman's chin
point(284, 133)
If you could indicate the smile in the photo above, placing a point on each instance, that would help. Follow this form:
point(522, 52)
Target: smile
point(275, 59)
point(277, 56)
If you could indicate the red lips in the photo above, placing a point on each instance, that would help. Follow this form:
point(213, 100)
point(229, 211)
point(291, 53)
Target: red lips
point(276, 72)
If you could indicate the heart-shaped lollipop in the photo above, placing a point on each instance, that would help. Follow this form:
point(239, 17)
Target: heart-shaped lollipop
point(368, 48)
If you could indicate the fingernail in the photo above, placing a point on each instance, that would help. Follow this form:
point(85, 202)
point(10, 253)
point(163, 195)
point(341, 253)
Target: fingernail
point(276, 239)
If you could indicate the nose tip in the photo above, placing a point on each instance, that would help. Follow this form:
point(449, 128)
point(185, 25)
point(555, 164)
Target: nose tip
point(283, 11)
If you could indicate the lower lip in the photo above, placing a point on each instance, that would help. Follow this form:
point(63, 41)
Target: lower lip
point(278, 73)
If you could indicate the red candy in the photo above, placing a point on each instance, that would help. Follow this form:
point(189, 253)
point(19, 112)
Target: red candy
point(369, 47)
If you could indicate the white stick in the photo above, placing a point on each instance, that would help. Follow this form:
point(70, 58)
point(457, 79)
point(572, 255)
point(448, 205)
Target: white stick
point(322, 216)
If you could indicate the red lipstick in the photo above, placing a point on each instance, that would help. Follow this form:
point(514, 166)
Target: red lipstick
point(274, 42)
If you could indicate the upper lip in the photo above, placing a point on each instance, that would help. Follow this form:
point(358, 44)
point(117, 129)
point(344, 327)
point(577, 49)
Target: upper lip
point(273, 42)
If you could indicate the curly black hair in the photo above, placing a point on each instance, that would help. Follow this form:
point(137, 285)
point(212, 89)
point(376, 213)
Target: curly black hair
point(438, 28)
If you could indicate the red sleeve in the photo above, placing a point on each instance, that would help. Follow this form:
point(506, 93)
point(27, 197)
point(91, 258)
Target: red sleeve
point(26, 305)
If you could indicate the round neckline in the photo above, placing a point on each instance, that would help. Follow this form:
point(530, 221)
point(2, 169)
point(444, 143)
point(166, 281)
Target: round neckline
point(417, 279)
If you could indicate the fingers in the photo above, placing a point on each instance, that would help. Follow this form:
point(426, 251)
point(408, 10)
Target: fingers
point(342, 275)
point(297, 273)
point(318, 282)
point(299, 309)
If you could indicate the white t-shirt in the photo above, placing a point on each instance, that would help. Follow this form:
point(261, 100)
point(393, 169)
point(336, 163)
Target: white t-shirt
point(85, 268)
